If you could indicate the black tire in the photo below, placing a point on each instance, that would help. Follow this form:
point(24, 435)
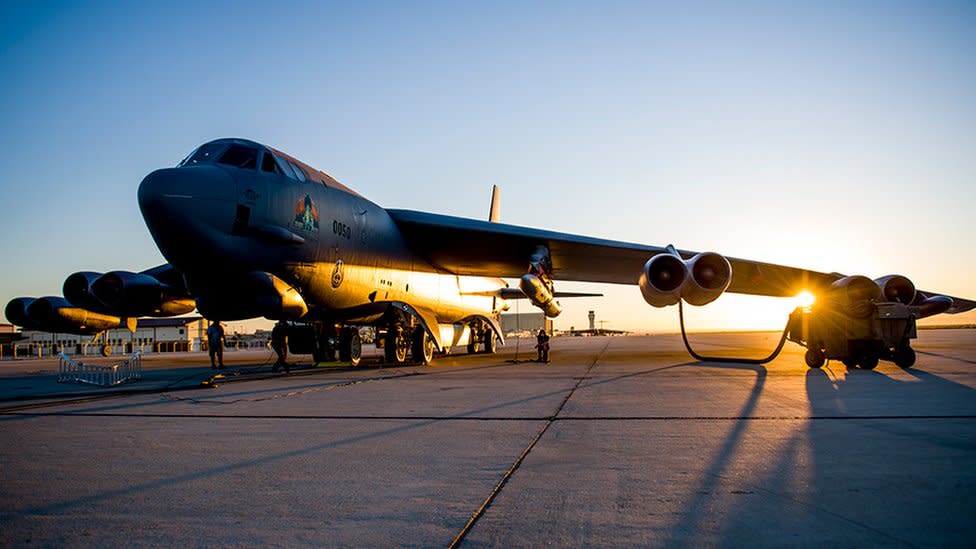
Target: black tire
point(814, 358)
point(395, 346)
point(106, 350)
point(351, 347)
point(472, 342)
point(422, 347)
point(868, 361)
point(904, 357)
point(850, 362)
point(489, 342)
point(345, 338)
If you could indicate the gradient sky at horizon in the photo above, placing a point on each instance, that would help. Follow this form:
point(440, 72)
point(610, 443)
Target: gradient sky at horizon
point(835, 136)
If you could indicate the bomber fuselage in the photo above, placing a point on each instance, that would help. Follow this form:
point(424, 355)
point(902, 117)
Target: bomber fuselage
point(234, 208)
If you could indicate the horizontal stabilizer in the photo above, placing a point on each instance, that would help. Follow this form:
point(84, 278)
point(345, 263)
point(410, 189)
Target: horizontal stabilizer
point(515, 293)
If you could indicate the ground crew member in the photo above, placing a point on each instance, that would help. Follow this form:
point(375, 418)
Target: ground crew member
point(279, 342)
point(542, 345)
point(215, 343)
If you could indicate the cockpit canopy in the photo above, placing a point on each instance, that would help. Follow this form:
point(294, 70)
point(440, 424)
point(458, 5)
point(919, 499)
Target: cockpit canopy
point(246, 155)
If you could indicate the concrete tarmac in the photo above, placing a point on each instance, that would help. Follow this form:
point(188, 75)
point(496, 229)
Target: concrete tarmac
point(620, 441)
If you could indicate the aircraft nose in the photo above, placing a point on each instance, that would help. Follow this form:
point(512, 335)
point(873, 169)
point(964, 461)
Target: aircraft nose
point(181, 184)
point(188, 210)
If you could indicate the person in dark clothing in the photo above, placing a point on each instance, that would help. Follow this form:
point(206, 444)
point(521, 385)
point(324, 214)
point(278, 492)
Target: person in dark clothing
point(215, 344)
point(542, 345)
point(279, 342)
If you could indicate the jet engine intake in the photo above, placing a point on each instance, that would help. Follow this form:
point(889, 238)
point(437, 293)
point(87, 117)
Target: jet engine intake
point(77, 290)
point(711, 275)
point(661, 280)
point(666, 278)
point(16, 312)
point(897, 288)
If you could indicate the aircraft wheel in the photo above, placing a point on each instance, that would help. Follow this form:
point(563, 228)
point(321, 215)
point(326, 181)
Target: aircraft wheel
point(490, 342)
point(814, 358)
point(106, 350)
point(472, 342)
point(904, 357)
point(422, 349)
point(350, 346)
point(850, 362)
point(868, 361)
point(396, 346)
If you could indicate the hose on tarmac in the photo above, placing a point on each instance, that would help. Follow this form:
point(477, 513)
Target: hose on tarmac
point(728, 360)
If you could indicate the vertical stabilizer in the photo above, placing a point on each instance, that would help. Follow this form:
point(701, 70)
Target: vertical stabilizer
point(493, 212)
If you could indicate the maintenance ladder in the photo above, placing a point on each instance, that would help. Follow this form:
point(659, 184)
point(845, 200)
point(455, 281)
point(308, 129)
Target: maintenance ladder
point(70, 370)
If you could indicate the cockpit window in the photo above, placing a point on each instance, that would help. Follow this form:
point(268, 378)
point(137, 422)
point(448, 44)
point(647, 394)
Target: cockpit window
point(268, 164)
point(208, 152)
point(240, 156)
point(298, 172)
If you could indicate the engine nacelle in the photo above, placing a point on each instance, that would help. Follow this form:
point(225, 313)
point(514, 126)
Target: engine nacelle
point(16, 312)
point(56, 314)
point(77, 290)
point(711, 275)
point(138, 294)
point(853, 295)
point(896, 288)
point(661, 280)
point(929, 306)
point(540, 296)
point(666, 278)
point(259, 294)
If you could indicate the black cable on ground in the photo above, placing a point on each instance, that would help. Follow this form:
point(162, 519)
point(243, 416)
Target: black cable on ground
point(729, 360)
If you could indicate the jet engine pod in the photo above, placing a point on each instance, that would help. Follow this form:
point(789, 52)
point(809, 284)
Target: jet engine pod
point(56, 314)
point(16, 312)
point(138, 294)
point(77, 289)
point(854, 296)
point(931, 305)
point(897, 288)
point(710, 274)
point(661, 280)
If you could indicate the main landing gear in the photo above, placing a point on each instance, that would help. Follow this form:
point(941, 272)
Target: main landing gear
point(485, 336)
point(331, 338)
point(405, 337)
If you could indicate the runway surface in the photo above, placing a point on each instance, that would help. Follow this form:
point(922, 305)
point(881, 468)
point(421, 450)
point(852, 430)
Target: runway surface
point(620, 441)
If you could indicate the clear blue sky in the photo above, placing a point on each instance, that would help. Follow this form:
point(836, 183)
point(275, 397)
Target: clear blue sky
point(838, 136)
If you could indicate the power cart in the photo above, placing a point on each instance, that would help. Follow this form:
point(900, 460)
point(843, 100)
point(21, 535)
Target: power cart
point(859, 336)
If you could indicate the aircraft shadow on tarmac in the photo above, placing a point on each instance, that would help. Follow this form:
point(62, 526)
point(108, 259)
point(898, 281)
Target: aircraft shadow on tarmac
point(839, 472)
point(827, 474)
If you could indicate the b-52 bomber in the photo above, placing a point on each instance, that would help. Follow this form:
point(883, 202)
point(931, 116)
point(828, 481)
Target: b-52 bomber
point(249, 231)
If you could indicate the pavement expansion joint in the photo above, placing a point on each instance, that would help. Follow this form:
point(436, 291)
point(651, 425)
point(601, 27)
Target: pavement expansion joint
point(480, 511)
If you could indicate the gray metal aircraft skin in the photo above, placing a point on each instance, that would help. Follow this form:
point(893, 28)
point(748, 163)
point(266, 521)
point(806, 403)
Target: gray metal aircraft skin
point(250, 231)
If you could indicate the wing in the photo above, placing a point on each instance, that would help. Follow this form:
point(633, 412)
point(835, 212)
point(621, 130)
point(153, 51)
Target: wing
point(479, 248)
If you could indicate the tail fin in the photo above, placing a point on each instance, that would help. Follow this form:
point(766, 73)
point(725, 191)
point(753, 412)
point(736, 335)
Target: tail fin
point(493, 212)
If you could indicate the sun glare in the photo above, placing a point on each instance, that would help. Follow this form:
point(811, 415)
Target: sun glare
point(804, 299)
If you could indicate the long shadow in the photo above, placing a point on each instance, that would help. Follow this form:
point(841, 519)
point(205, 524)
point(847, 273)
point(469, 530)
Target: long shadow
point(682, 534)
point(232, 397)
point(839, 479)
point(413, 423)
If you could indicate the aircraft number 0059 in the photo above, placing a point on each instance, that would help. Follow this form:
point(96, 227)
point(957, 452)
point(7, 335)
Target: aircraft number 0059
point(342, 229)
